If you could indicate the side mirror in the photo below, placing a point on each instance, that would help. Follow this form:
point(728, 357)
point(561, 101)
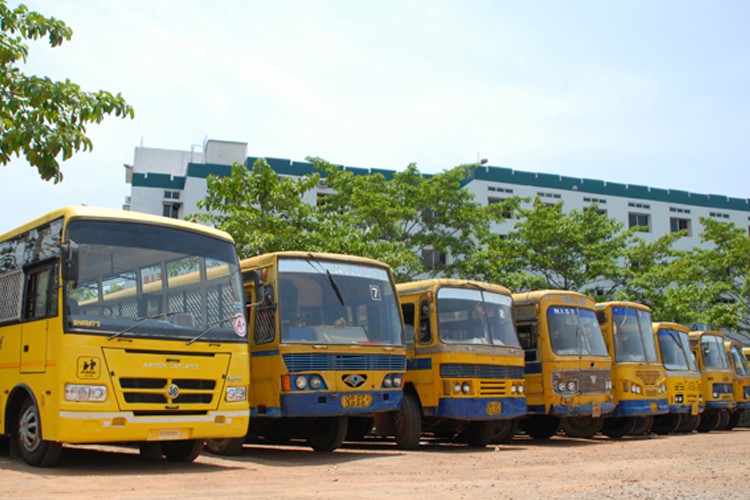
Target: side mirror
point(69, 266)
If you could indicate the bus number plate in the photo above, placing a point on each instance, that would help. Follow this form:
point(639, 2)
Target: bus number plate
point(654, 406)
point(596, 410)
point(356, 401)
point(494, 408)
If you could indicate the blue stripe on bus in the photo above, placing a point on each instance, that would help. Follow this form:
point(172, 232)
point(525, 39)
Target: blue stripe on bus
point(533, 367)
point(640, 408)
point(476, 408)
point(419, 364)
point(580, 410)
point(328, 404)
point(263, 354)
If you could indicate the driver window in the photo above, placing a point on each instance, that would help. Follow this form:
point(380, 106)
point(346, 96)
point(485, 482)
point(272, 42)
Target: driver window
point(425, 333)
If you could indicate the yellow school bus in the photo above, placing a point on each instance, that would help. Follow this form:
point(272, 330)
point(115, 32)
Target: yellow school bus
point(683, 380)
point(120, 327)
point(327, 343)
point(741, 382)
point(568, 369)
point(638, 377)
point(716, 378)
point(464, 378)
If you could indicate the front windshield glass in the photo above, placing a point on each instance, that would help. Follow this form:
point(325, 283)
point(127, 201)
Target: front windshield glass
point(633, 335)
point(675, 350)
point(739, 361)
point(144, 280)
point(575, 332)
point(335, 302)
point(713, 353)
point(467, 316)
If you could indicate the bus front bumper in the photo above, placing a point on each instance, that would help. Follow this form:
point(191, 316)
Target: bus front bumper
point(586, 410)
point(640, 408)
point(480, 408)
point(333, 404)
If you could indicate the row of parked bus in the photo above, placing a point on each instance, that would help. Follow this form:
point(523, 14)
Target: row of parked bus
point(124, 327)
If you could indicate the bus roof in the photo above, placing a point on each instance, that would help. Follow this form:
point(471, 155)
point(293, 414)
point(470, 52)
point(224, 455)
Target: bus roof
point(267, 258)
point(659, 325)
point(435, 283)
point(623, 303)
point(552, 294)
point(111, 214)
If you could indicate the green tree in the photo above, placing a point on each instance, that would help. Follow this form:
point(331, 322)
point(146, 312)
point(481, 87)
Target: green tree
point(39, 118)
point(262, 211)
point(394, 219)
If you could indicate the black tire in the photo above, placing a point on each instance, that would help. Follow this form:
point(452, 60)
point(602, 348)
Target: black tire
point(541, 427)
point(227, 447)
point(666, 424)
point(709, 420)
point(327, 433)
point(688, 423)
point(642, 425)
point(582, 427)
point(407, 423)
point(505, 430)
point(617, 427)
point(724, 418)
point(478, 434)
point(359, 427)
point(734, 420)
point(34, 450)
point(184, 451)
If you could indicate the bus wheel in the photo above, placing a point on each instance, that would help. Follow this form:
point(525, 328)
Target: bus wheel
point(408, 423)
point(734, 420)
point(359, 427)
point(666, 424)
point(582, 427)
point(688, 423)
point(617, 427)
point(34, 450)
point(541, 427)
point(505, 430)
point(709, 420)
point(724, 418)
point(478, 434)
point(227, 447)
point(185, 450)
point(327, 433)
point(642, 425)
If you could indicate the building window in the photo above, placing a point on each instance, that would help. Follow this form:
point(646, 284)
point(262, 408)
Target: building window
point(718, 215)
point(499, 189)
point(548, 195)
point(171, 195)
point(171, 210)
point(679, 210)
point(432, 259)
point(639, 205)
point(676, 224)
point(642, 221)
point(598, 201)
point(507, 213)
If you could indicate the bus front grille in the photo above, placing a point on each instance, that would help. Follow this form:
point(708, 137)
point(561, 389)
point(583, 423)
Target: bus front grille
point(142, 392)
point(301, 362)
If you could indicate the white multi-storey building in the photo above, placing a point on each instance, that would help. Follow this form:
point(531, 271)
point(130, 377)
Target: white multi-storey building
point(170, 182)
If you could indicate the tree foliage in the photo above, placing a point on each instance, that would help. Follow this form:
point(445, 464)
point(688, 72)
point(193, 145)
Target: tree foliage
point(43, 119)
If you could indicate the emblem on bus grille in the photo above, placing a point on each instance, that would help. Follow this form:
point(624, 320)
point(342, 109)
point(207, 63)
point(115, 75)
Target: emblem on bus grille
point(593, 379)
point(173, 391)
point(354, 380)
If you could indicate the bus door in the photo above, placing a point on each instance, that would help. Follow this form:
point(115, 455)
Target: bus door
point(39, 303)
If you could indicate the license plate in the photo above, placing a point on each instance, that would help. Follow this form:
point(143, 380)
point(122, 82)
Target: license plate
point(356, 401)
point(654, 406)
point(596, 410)
point(167, 435)
point(494, 408)
point(694, 409)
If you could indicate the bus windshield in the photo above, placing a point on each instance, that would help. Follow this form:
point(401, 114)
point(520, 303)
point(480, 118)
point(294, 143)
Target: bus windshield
point(633, 335)
point(575, 332)
point(475, 317)
point(714, 355)
point(145, 280)
point(675, 350)
point(739, 361)
point(336, 302)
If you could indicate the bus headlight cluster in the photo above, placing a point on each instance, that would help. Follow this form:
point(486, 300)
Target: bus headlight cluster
point(608, 385)
point(636, 389)
point(393, 380)
point(564, 385)
point(516, 388)
point(311, 382)
point(461, 387)
point(679, 398)
point(236, 393)
point(82, 392)
point(662, 388)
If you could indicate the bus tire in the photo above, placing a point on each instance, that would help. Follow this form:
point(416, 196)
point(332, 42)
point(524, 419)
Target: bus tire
point(617, 427)
point(541, 427)
point(505, 430)
point(642, 425)
point(688, 423)
point(582, 427)
point(227, 447)
point(327, 433)
point(34, 450)
point(666, 424)
point(724, 418)
point(185, 450)
point(734, 420)
point(359, 427)
point(478, 434)
point(407, 423)
point(708, 422)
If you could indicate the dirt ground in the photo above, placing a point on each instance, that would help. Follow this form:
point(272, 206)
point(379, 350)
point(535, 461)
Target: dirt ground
point(714, 465)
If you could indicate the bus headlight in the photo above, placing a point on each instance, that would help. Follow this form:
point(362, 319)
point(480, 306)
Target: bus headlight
point(235, 394)
point(561, 387)
point(466, 388)
point(316, 382)
point(397, 380)
point(81, 392)
point(571, 387)
point(300, 382)
point(456, 387)
point(662, 388)
point(520, 389)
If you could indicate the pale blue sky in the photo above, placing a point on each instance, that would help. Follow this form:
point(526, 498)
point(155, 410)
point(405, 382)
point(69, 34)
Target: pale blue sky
point(639, 91)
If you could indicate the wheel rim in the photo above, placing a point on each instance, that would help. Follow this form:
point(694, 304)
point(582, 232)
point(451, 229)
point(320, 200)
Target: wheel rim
point(29, 434)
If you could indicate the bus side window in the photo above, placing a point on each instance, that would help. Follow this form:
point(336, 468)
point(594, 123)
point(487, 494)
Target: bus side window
point(425, 334)
point(264, 330)
point(41, 293)
point(409, 317)
point(527, 335)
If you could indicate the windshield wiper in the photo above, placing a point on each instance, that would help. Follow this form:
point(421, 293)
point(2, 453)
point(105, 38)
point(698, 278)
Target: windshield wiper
point(140, 321)
point(330, 278)
point(211, 326)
